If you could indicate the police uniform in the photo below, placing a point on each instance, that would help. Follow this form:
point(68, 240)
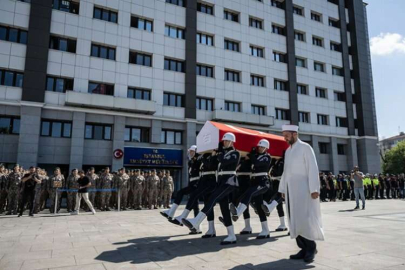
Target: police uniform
point(243, 173)
point(55, 182)
point(106, 184)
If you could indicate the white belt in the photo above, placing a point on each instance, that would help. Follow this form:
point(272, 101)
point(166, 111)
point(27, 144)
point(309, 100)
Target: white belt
point(226, 172)
point(194, 178)
point(208, 173)
point(260, 174)
point(243, 173)
point(278, 178)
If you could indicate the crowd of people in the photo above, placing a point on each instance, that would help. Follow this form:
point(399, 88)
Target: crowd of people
point(22, 189)
point(342, 186)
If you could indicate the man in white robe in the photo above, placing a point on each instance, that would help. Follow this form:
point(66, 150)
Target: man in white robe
point(300, 187)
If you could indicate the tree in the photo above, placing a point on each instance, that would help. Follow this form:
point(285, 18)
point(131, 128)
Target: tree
point(394, 160)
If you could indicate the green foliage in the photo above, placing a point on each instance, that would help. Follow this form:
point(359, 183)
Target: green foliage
point(394, 160)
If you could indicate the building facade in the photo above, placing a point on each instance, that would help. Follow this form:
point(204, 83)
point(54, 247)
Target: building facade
point(81, 79)
point(389, 143)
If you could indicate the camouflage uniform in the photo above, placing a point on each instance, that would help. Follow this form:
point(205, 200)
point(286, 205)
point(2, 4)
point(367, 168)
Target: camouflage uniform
point(3, 191)
point(145, 197)
point(51, 187)
point(39, 193)
point(105, 182)
point(72, 184)
point(138, 187)
point(153, 189)
point(44, 193)
point(92, 193)
point(167, 188)
point(121, 184)
point(13, 190)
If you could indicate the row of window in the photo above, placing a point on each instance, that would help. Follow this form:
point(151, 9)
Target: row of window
point(304, 117)
point(325, 148)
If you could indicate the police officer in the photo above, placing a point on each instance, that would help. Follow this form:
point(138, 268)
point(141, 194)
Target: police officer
point(381, 184)
point(72, 186)
point(260, 184)
point(244, 173)
point(376, 187)
point(228, 158)
point(93, 177)
point(121, 184)
point(13, 190)
point(138, 187)
point(55, 182)
point(153, 189)
point(167, 188)
point(106, 184)
point(388, 186)
point(193, 176)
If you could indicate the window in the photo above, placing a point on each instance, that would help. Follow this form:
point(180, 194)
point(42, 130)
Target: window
point(279, 57)
point(174, 32)
point(299, 36)
point(203, 70)
point(320, 92)
point(231, 45)
point(56, 84)
point(138, 93)
point(105, 14)
point(334, 23)
point(98, 132)
point(13, 34)
point(335, 46)
point(205, 39)
point(277, 4)
point(317, 41)
point(277, 29)
point(232, 76)
point(339, 96)
point(62, 44)
point(174, 100)
point(231, 16)
point(66, 6)
point(322, 119)
point(9, 125)
point(181, 3)
point(256, 51)
point(280, 85)
point(302, 89)
point(11, 78)
point(171, 137)
point(282, 114)
point(232, 106)
point(298, 10)
point(319, 66)
point(142, 59)
point(259, 110)
point(174, 65)
point(205, 104)
point(101, 88)
point(337, 71)
point(341, 149)
point(341, 122)
point(205, 8)
point(102, 52)
point(56, 129)
point(142, 24)
point(316, 16)
point(300, 62)
point(323, 148)
point(136, 134)
point(303, 117)
point(256, 23)
point(257, 80)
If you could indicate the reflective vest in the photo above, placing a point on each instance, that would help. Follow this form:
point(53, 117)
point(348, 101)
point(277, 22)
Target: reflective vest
point(375, 181)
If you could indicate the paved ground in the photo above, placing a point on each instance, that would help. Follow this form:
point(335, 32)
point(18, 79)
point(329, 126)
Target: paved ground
point(370, 239)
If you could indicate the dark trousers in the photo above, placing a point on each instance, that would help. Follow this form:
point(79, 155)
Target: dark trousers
point(256, 191)
point(273, 195)
point(323, 193)
point(388, 192)
point(28, 197)
point(305, 244)
point(192, 186)
point(205, 187)
point(377, 192)
point(244, 184)
point(381, 192)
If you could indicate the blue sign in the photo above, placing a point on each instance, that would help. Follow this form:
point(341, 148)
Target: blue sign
point(152, 157)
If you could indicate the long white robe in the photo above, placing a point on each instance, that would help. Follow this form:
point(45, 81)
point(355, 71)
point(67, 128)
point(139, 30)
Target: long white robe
point(299, 180)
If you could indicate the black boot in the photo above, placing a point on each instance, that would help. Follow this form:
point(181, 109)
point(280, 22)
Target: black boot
point(301, 254)
point(311, 250)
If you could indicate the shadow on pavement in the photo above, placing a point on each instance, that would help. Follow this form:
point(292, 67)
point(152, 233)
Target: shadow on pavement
point(280, 264)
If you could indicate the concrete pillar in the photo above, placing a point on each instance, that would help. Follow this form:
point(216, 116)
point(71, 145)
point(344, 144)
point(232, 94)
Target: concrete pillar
point(77, 143)
point(118, 143)
point(156, 131)
point(334, 162)
point(190, 138)
point(368, 155)
point(28, 142)
point(352, 159)
point(315, 145)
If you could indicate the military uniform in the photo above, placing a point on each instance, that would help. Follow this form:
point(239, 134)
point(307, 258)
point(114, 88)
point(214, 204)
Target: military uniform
point(55, 182)
point(13, 192)
point(153, 190)
point(121, 183)
point(167, 188)
point(73, 187)
point(40, 190)
point(3, 191)
point(106, 183)
point(92, 190)
point(138, 187)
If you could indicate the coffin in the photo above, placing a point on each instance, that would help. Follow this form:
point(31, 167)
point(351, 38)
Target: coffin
point(212, 132)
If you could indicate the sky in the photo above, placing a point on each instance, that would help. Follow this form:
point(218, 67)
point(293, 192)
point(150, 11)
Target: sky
point(386, 22)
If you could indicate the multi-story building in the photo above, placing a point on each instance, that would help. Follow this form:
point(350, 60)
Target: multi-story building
point(81, 79)
point(389, 143)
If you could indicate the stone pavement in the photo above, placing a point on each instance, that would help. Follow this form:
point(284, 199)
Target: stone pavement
point(370, 239)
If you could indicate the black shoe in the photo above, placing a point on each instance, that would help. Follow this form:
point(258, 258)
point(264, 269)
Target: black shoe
point(162, 213)
point(193, 232)
point(19, 215)
point(310, 256)
point(8, 214)
point(234, 212)
point(299, 256)
point(107, 209)
point(363, 208)
point(31, 214)
point(356, 208)
point(175, 221)
point(245, 232)
point(205, 236)
point(224, 243)
point(263, 236)
point(281, 230)
point(188, 225)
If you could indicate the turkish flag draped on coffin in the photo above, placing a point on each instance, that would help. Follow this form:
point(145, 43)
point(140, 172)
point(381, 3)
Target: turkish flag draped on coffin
point(212, 132)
